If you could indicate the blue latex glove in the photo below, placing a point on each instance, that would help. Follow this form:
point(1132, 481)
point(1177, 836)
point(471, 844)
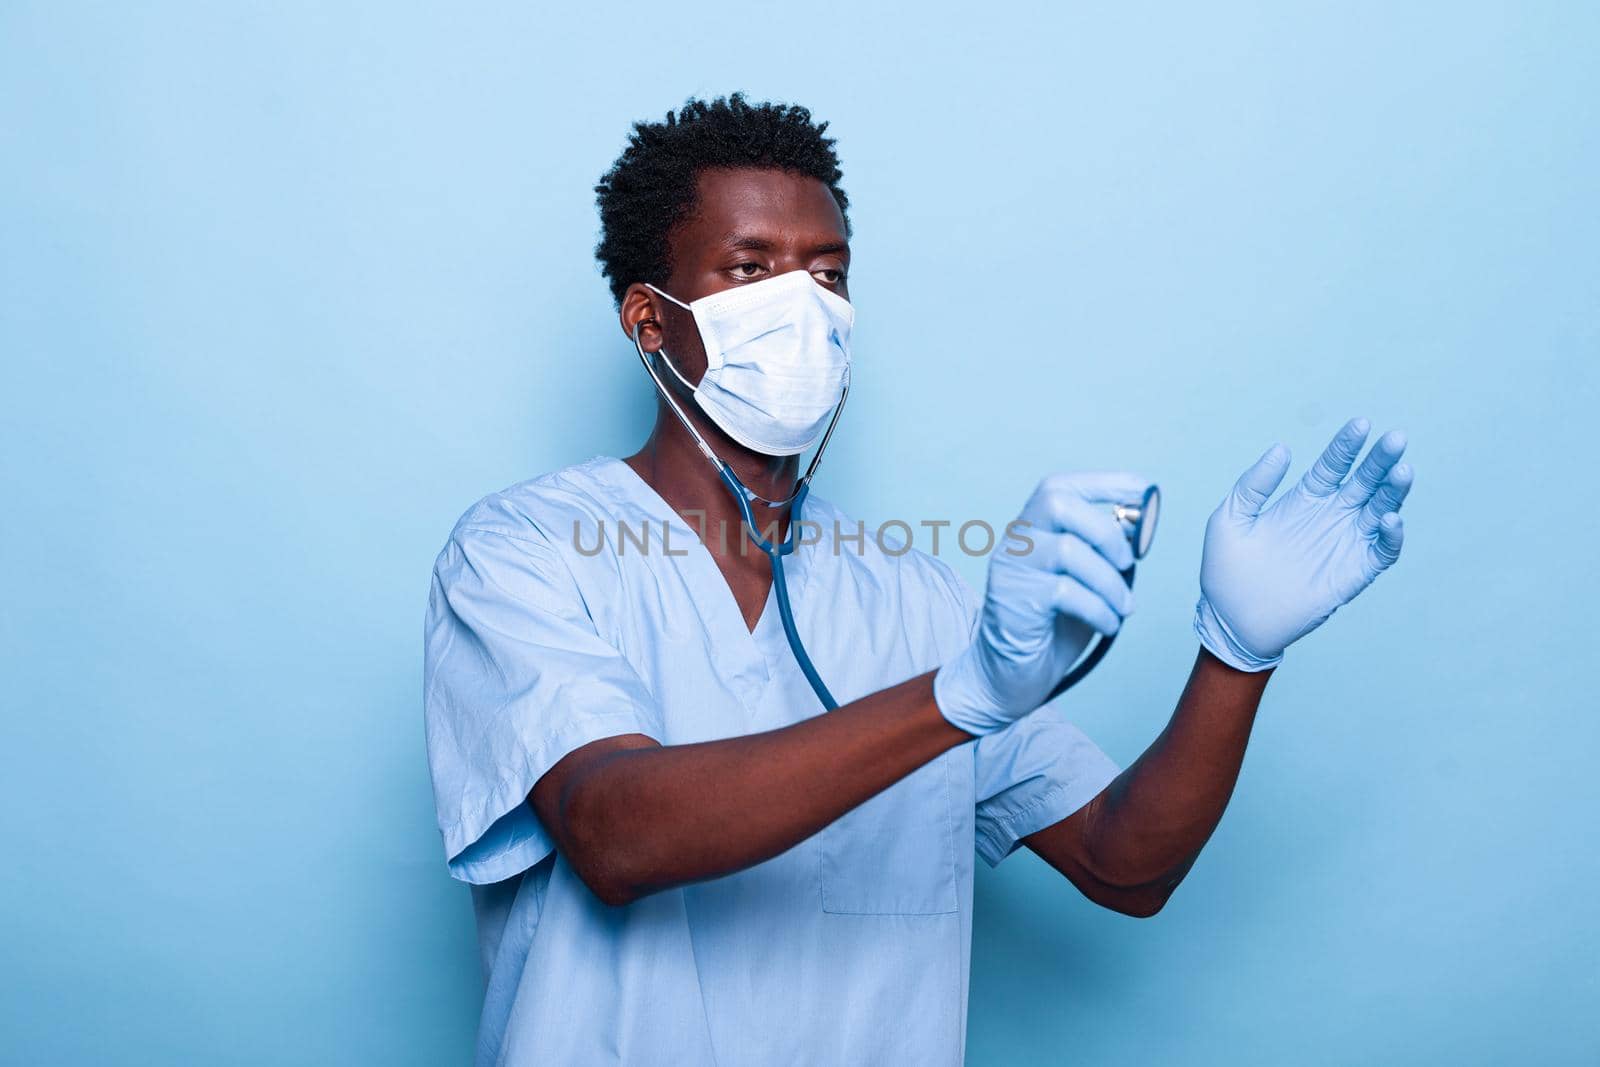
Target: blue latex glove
point(1271, 573)
point(1045, 602)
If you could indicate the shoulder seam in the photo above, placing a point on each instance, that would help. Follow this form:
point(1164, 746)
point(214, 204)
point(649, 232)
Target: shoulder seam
point(546, 546)
point(498, 533)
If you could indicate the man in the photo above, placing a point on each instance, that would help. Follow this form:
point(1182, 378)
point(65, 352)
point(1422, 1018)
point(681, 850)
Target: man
point(677, 856)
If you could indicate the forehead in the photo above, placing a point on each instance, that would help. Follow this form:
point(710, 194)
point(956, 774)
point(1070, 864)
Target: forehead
point(776, 205)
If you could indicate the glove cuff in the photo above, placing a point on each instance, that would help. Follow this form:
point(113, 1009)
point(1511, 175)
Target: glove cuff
point(1220, 642)
point(957, 693)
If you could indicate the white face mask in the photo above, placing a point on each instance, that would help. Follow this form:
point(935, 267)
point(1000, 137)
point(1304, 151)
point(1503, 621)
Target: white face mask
point(777, 360)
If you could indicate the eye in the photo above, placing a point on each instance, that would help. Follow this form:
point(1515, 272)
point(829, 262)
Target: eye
point(746, 270)
point(829, 275)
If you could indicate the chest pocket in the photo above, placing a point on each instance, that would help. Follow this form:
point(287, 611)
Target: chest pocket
point(896, 854)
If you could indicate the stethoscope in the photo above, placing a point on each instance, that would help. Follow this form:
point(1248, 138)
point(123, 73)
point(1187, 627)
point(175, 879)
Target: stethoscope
point(1138, 523)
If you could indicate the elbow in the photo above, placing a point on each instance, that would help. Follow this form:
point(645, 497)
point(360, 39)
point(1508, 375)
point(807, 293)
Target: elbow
point(597, 851)
point(1139, 904)
point(1137, 900)
point(598, 866)
point(611, 892)
point(1135, 893)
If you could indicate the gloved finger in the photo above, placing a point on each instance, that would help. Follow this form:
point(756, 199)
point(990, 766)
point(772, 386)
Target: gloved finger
point(1078, 601)
point(1390, 495)
point(1074, 557)
point(1385, 548)
point(1107, 487)
point(1374, 469)
point(1255, 485)
point(1066, 512)
point(1334, 463)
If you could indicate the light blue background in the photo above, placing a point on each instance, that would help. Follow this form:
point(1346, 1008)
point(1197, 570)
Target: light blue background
point(284, 288)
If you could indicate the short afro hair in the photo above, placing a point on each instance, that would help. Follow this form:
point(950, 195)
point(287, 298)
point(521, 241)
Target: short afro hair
point(652, 184)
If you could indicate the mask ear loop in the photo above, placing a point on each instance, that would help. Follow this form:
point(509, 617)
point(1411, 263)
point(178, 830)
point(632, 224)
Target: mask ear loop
point(672, 401)
point(722, 469)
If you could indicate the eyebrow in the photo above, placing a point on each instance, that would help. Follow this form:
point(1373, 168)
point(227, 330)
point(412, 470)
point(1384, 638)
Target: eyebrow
point(748, 242)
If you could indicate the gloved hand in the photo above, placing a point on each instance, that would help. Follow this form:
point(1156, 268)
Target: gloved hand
point(1044, 601)
point(1271, 573)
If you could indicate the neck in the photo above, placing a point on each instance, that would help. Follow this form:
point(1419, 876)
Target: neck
point(671, 463)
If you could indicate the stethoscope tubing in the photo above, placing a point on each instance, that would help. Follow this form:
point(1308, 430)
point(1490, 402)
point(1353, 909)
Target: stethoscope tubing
point(780, 581)
point(1096, 653)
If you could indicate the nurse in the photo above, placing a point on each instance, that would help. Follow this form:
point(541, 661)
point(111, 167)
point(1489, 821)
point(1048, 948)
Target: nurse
point(676, 856)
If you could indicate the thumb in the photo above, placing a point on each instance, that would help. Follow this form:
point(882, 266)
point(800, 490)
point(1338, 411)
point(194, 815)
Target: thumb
point(1385, 548)
point(1255, 485)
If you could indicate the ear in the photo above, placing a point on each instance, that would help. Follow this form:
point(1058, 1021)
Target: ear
point(642, 308)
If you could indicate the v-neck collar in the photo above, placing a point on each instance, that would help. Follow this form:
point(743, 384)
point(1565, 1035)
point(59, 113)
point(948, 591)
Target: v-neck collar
point(708, 584)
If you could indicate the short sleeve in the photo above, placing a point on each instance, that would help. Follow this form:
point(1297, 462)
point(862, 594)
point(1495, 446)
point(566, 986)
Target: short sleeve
point(1035, 772)
point(514, 678)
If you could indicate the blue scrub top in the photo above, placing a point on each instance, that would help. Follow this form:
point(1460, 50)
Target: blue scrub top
point(580, 606)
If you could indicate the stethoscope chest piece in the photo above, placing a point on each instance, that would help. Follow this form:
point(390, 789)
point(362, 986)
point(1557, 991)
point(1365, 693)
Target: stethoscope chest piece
point(1142, 521)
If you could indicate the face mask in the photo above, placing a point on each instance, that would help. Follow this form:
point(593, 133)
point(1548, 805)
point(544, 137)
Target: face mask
point(777, 360)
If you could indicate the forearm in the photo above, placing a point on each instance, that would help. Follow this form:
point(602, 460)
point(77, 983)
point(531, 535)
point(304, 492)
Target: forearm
point(1130, 847)
point(640, 819)
point(1152, 821)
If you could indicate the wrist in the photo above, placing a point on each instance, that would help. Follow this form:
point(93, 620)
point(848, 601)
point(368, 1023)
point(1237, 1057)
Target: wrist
point(958, 694)
point(1219, 640)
